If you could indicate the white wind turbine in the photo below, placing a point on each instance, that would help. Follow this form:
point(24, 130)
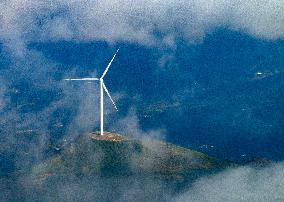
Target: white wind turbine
point(102, 88)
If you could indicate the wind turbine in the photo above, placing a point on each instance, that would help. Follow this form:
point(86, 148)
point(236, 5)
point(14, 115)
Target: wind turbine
point(102, 89)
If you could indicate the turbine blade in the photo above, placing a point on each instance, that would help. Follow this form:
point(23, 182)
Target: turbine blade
point(83, 79)
point(104, 86)
point(106, 70)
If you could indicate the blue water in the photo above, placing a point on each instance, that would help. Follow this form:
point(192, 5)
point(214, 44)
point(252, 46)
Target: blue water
point(222, 102)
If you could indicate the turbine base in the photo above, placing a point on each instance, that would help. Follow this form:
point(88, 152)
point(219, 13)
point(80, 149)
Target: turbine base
point(108, 136)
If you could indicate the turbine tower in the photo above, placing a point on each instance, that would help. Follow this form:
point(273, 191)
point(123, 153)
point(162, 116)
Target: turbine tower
point(102, 89)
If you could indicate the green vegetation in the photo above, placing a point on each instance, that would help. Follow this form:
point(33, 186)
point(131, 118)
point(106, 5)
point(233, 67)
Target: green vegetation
point(88, 157)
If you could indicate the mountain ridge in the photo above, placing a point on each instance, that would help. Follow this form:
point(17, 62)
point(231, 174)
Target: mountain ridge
point(117, 155)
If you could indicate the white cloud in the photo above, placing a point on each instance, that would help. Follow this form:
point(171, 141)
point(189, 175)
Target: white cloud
point(239, 184)
point(87, 115)
point(260, 18)
point(136, 21)
point(130, 126)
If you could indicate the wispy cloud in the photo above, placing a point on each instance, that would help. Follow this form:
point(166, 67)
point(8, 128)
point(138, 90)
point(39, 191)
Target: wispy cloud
point(239, 184)
point(147, 22)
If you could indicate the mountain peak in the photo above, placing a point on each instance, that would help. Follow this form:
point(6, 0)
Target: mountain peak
point(107, 136)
